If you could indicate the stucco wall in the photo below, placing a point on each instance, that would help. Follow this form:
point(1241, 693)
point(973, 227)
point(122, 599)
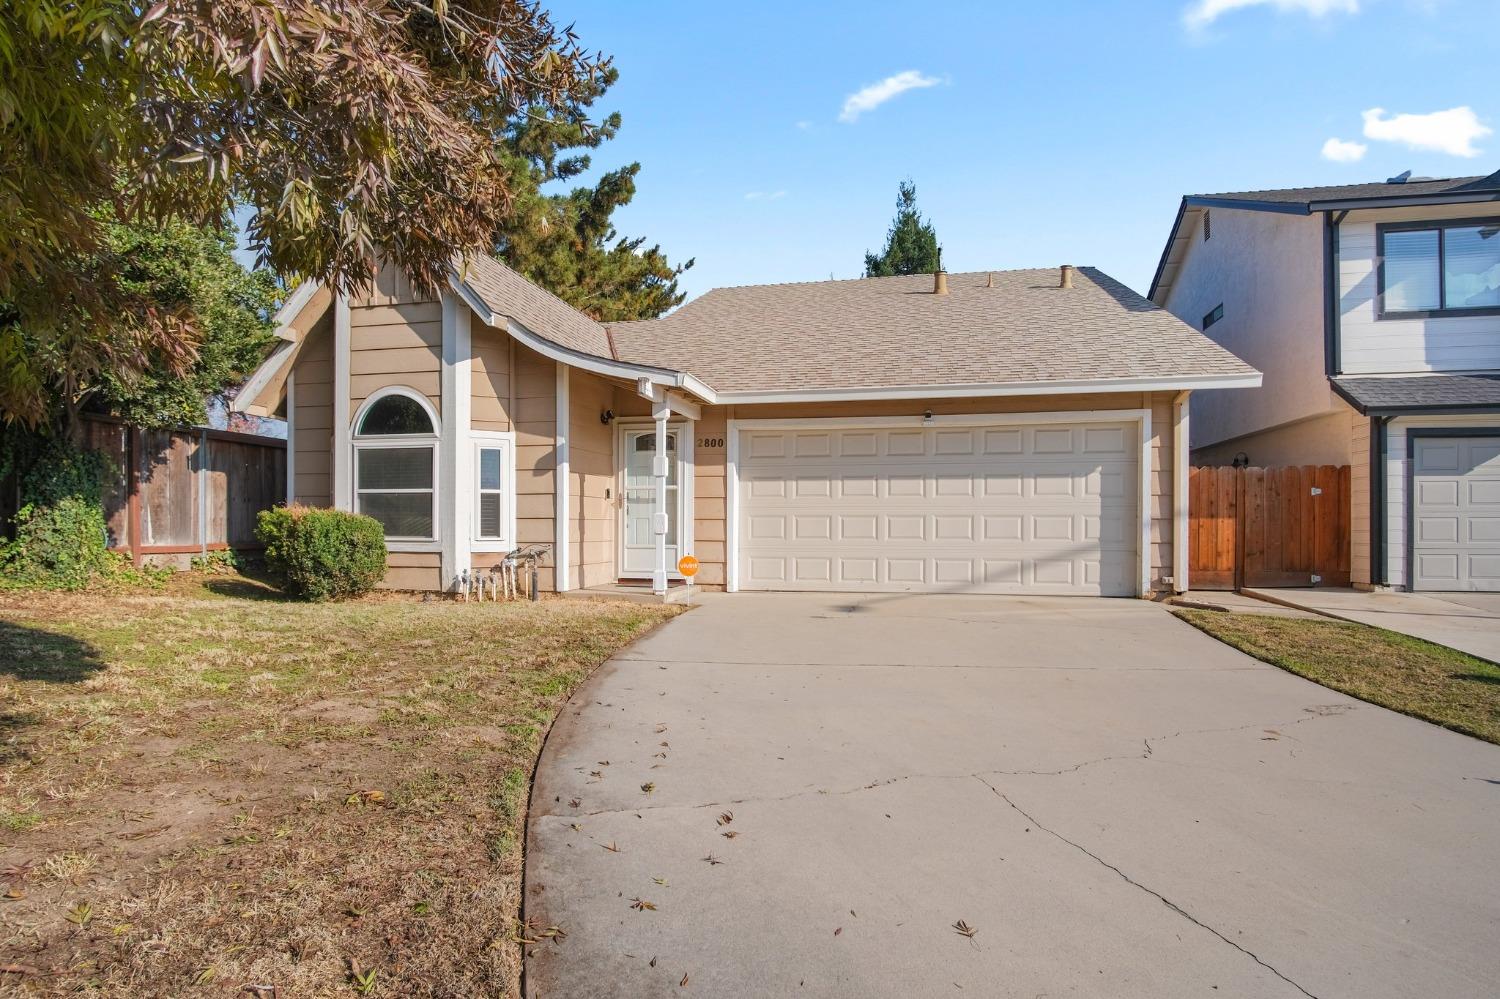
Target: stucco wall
point(1319, 440)
point(1267, 271)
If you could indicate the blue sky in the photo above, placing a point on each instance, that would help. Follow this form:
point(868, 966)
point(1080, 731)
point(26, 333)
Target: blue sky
point(1041, 133)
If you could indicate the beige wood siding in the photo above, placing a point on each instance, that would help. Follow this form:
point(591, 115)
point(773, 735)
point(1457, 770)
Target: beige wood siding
point(709, 506)
point(535, 416)
point(395, 338)
point(490, 378)
point(413, 571)
point(591, 481)
point(312, 434)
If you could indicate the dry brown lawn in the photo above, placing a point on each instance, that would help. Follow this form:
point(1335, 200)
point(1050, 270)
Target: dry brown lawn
point(1406, 674)
point(206, 790)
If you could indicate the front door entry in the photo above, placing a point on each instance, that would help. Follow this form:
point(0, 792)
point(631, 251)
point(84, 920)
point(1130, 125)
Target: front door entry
point(640, 503)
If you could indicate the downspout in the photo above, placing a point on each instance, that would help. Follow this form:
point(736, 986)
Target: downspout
point(1180, 470)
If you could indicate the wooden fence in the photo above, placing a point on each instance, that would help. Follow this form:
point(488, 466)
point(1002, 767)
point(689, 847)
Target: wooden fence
point(186, 492)
point(1268, 527)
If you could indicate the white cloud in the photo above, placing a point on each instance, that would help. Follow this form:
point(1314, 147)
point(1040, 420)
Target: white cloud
point(805, 126)
point(1202, 13)
point(871, 97)
point(1452, 131)
point(764, 195)
point(1341, 151)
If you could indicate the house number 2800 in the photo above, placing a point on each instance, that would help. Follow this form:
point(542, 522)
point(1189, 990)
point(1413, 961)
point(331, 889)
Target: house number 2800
point(710, 442)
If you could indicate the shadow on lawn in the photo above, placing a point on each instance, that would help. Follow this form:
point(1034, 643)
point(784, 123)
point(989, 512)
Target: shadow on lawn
point(34, 654)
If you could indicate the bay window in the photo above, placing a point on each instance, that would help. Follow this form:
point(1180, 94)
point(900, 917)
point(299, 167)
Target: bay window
point(1429, 268)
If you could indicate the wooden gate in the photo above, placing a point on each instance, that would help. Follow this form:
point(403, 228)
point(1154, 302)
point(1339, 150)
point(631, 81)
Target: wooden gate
point(1268, 527)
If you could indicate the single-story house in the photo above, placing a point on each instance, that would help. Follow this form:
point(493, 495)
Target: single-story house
point(1003, 432)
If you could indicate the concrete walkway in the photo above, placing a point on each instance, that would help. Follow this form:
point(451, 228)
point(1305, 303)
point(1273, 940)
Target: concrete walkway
point(1469, 622)
point(1112, 802)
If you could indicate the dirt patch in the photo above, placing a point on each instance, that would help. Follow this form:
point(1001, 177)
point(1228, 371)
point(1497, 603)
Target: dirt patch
point(202, 790)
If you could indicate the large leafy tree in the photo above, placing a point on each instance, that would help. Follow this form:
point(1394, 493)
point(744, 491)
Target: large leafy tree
point(911, 245)
point(174, 269)
point(347, 126)
point(566, 242)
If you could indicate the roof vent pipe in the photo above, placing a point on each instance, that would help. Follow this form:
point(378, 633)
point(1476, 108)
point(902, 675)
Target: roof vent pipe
point(1067, 276)
point(940, 276)
point(991, 282)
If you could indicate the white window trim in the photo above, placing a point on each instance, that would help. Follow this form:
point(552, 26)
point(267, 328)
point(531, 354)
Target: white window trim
point(505, 441)
point(686, 473)
point(358, 443)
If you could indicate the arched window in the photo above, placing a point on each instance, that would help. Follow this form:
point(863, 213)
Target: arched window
point(395, 463)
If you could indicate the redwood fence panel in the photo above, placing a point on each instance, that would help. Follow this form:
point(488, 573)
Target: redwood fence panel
point(180, 492)
point(1268, 527)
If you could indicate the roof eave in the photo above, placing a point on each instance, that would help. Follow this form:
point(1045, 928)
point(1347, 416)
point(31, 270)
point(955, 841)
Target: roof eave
point(1079, 386)
point(595, 363)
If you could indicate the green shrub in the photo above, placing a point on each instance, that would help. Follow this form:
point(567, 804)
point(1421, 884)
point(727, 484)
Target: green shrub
point(322, 554)
point(59, 537)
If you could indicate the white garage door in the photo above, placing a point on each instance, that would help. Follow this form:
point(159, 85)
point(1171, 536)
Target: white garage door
point(1456, 496)
point(1047, 508)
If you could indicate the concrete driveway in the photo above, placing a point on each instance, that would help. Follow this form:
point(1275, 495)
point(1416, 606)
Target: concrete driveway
point(1115, 804)
point(1469, 622)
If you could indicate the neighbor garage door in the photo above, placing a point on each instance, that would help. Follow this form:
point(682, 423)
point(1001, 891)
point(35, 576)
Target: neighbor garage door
point(1456, 497)
point(1047, 508)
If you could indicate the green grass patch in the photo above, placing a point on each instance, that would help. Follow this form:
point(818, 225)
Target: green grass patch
point(1416, 677)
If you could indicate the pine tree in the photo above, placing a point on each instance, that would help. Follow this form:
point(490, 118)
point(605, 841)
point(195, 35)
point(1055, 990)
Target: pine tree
point(911, 246)
point(566, 242)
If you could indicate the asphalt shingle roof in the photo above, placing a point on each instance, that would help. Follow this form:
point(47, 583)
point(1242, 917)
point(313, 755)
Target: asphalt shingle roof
point(1422, 391)
point(1356, 192)
point(887, 332)
point(543, 313)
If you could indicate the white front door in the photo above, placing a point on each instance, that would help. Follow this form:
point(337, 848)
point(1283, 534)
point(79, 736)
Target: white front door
point(639, 554)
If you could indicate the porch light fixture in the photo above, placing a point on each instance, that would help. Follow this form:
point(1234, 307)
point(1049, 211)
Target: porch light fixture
point(607, 417)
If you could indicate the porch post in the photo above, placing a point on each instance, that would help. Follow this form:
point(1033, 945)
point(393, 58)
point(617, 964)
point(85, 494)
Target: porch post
point(660, 410)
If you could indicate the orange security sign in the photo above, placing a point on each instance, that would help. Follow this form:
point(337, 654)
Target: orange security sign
point(688, 566)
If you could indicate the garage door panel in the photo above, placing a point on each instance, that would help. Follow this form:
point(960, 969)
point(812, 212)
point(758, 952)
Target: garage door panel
point(1456, 513)
point(1045, 509)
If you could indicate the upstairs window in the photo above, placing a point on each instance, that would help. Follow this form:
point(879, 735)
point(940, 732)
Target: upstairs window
point(395, 465)
point(1214, 315)
point(1439, 269)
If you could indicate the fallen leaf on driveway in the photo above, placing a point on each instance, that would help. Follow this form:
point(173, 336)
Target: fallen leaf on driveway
point(725, 818)
point(964, 929)
point(641, 905)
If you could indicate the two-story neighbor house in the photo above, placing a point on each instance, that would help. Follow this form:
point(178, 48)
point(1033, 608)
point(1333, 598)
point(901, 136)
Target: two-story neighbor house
point(1374, 312)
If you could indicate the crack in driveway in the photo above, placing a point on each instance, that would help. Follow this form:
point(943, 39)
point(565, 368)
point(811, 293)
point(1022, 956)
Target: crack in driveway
point(1311, 713)
point(1150, 891)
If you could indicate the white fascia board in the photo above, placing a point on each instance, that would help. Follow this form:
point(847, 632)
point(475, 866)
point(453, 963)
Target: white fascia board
point(280, 356)
point(578, 359)
point(1078, 387)
point(294, 304)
